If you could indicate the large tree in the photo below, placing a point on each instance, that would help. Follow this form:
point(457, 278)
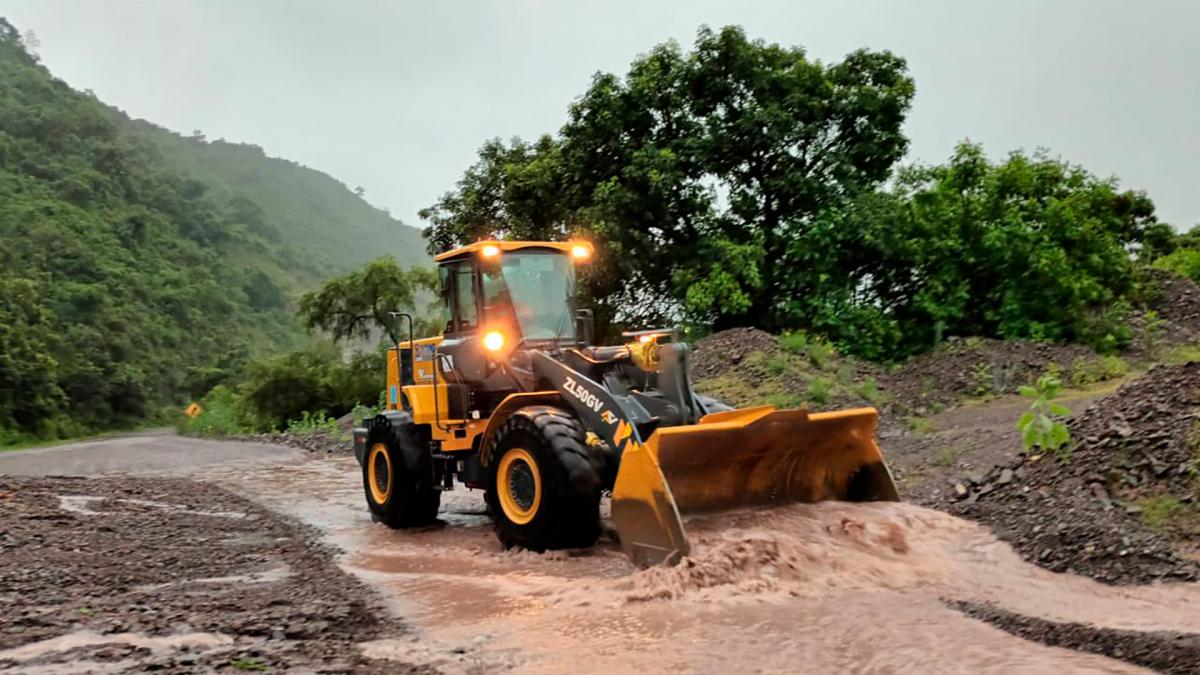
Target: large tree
point(692, 173)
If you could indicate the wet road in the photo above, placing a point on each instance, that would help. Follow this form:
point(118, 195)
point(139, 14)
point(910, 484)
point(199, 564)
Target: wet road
point(158, 451)
point(819, 588)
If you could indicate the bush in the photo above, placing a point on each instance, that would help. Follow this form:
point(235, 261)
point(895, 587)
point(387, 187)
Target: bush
point(1088, 371)
point(818, 390)
point(794, 342)
point(819, 353)
point(219, 416)
point(1184, 261)
point(869, 391)
point(1041, 426)
point(777, 364)
point(314, 422)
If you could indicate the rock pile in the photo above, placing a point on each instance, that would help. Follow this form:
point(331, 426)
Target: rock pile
point(1087, 514)
point(716, 354)
point(312, 441)
point(967, 367)
point(1176, 301)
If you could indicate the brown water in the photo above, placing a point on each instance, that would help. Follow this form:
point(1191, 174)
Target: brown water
point(830, 587)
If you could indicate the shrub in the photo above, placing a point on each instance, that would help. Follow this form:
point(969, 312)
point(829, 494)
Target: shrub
point(920, 425)
point(1089, 370)
point(1161, 512)
point(314, 422)
point(219, 416)
point(818, 390)
point(1184, 261)
point(946, 456)
point(794, 342)
point(869, 391)
point(1041, 426)
point(819, 353)
point(777, 364)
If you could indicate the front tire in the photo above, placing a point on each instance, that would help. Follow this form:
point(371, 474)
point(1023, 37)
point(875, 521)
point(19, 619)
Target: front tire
point(398, 474)
point(544, 482)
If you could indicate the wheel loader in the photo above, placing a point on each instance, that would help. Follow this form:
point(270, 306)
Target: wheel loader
point(514, 399)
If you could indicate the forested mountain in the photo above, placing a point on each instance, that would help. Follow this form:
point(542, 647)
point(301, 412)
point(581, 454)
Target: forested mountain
point(133, 275)
point(316, 213)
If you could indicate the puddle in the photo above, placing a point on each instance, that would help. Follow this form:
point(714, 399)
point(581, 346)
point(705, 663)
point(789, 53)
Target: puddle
point(84, 506)
point(272, 575)
point(79, 639)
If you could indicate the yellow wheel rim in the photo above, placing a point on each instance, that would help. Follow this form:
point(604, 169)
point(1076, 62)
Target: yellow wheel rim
point(379, 473)
point(520, 485)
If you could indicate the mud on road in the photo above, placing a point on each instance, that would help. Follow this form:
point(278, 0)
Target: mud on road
point(141, 573)
point(837, 587)
point(152, 574)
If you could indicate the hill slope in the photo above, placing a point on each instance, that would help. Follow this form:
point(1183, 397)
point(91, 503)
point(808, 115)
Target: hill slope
point(129, 283)
point(314, 212)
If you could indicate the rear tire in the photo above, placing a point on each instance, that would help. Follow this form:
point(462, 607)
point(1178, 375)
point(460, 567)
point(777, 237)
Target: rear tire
point(398, 474)
point(544, 481)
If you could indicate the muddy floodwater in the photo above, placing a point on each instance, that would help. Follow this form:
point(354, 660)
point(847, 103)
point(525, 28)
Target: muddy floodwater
point(831, 587)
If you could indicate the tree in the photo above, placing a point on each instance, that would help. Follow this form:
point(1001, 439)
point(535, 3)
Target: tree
point(1031, 247)
point(353, 305)
point(692, 173)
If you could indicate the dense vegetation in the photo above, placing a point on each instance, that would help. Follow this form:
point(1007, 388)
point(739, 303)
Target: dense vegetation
point(739, 183)
point(742, 183)
point(320, 217)
point(131, 281)
point(317, 382)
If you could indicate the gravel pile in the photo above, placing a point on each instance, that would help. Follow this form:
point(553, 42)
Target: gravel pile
point(312, 441)
point(718, 353)
point(1089, 515)
point(1177, 304)
point(962, 368)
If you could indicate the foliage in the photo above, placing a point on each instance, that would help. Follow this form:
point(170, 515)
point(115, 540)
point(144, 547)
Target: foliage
point(316, 380)
point(1183, 258)
point(219, 415)
point(356, 304)
point(1042, 425)
point(777, 364)
point(1162, 512)
point(920, 425)
point(1090, 370)
point(794, 342)
point(868, 389)
point(693, 174)
point(123, 287)
point(314, 422)
point(740, 183)
point(1182, 354)
point(328, 226)
point(947, 456)
point(818, 390)
point(819, 353)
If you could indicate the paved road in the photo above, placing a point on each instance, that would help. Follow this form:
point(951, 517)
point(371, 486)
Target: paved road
point(158, 451)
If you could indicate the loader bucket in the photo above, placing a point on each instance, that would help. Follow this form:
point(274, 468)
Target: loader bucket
point(738, 458)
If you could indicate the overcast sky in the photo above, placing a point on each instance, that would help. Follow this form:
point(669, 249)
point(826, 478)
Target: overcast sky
point(397, 96)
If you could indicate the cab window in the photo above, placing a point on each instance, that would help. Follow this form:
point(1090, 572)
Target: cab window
point(465, 312)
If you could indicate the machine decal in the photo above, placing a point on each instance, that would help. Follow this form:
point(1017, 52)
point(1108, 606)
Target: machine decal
point(585, 397)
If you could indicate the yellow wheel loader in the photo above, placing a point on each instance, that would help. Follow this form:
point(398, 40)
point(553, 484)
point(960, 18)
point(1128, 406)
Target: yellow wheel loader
point(514, 399)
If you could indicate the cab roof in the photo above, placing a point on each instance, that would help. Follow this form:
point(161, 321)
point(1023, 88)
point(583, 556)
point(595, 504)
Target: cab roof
point(469, 249)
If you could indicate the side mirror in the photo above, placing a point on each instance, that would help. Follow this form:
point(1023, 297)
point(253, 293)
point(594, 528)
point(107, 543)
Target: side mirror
point(585, 326)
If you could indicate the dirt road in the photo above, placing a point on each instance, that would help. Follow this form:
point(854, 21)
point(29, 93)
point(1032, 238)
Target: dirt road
point(825, 588)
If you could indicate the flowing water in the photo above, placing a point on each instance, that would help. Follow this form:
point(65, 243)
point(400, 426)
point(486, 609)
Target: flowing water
point(815, 588)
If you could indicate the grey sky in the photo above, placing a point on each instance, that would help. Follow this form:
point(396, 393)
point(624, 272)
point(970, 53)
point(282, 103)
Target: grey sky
point(397, 96)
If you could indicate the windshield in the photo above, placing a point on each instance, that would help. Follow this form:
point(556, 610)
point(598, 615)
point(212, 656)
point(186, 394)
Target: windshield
point(531, 290)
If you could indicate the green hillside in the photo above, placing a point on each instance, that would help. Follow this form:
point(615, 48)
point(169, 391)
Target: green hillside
point(133, 278)
point(316, 213)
